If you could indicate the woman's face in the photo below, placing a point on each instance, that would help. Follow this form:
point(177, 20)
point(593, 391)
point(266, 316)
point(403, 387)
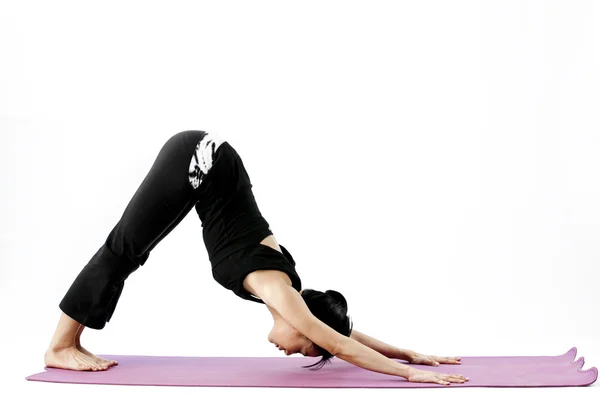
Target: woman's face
point(289, 340)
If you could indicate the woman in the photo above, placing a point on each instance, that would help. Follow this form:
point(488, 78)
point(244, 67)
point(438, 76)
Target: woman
point(201, 170)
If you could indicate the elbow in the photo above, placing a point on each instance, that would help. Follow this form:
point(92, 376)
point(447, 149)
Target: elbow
point(337, 348)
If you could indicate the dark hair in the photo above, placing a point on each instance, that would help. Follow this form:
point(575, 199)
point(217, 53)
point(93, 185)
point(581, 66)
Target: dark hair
point(331, 308)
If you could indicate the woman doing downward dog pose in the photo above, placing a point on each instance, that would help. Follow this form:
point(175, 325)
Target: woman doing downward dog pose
point(196, 169)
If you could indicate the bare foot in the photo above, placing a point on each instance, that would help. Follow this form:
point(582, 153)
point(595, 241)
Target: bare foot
point(71, 358)
point(99, 360)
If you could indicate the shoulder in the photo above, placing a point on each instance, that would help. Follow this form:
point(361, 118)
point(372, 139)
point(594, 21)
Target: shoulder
point(269, 267)
point(265, 278)
point(250, 270)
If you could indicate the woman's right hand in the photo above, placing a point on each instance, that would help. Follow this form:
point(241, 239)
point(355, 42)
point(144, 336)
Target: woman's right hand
point(418, 375)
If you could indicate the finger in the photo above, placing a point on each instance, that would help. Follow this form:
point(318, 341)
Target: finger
point(447, 361)
point(459, 377)
point(443, 382)
point(454, 377)
point(451, 361)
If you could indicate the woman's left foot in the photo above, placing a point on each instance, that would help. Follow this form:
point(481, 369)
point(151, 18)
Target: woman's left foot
point(100, 360)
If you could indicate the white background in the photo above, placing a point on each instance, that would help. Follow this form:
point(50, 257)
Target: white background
point(436, 162)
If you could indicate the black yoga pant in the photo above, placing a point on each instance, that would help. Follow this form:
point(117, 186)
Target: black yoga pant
point(163, 199)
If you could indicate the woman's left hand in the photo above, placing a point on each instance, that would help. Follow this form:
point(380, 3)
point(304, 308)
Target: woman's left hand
point(416, 358)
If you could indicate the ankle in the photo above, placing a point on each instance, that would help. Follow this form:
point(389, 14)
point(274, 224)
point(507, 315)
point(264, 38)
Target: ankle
point(58, 346)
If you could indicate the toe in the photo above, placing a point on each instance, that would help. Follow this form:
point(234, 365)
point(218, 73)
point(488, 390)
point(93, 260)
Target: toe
point(83, 367)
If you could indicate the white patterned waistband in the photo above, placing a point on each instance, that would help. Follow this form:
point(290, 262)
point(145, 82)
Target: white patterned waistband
point(202, 159)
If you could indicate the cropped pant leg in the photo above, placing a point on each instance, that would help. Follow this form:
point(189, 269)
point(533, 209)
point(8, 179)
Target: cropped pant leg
point(163, 199)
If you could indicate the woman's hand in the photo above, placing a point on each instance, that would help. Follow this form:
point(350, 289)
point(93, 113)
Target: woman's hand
point(416, 358)
point(402, 354)
point(417, 375)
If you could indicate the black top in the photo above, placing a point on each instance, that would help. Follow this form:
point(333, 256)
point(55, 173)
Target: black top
point(230, 273)
point(233, 226)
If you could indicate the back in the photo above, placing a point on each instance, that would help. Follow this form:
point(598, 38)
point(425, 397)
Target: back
point(231, 219)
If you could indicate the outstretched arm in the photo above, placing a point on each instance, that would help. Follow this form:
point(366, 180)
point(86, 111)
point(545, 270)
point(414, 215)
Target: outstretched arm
point(272, 288)
point(393, 352)
point(381, 347)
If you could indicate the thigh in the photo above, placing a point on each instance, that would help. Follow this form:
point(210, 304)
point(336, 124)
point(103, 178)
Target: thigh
point(161, 201)
point(166, 232)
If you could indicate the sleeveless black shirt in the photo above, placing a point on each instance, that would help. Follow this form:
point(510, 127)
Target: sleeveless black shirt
point(233, 227)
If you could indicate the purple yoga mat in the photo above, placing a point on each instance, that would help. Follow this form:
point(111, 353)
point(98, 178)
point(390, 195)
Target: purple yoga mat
point(515, 371)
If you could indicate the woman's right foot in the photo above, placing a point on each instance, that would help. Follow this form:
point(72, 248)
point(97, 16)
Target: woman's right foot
point(73, 359)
